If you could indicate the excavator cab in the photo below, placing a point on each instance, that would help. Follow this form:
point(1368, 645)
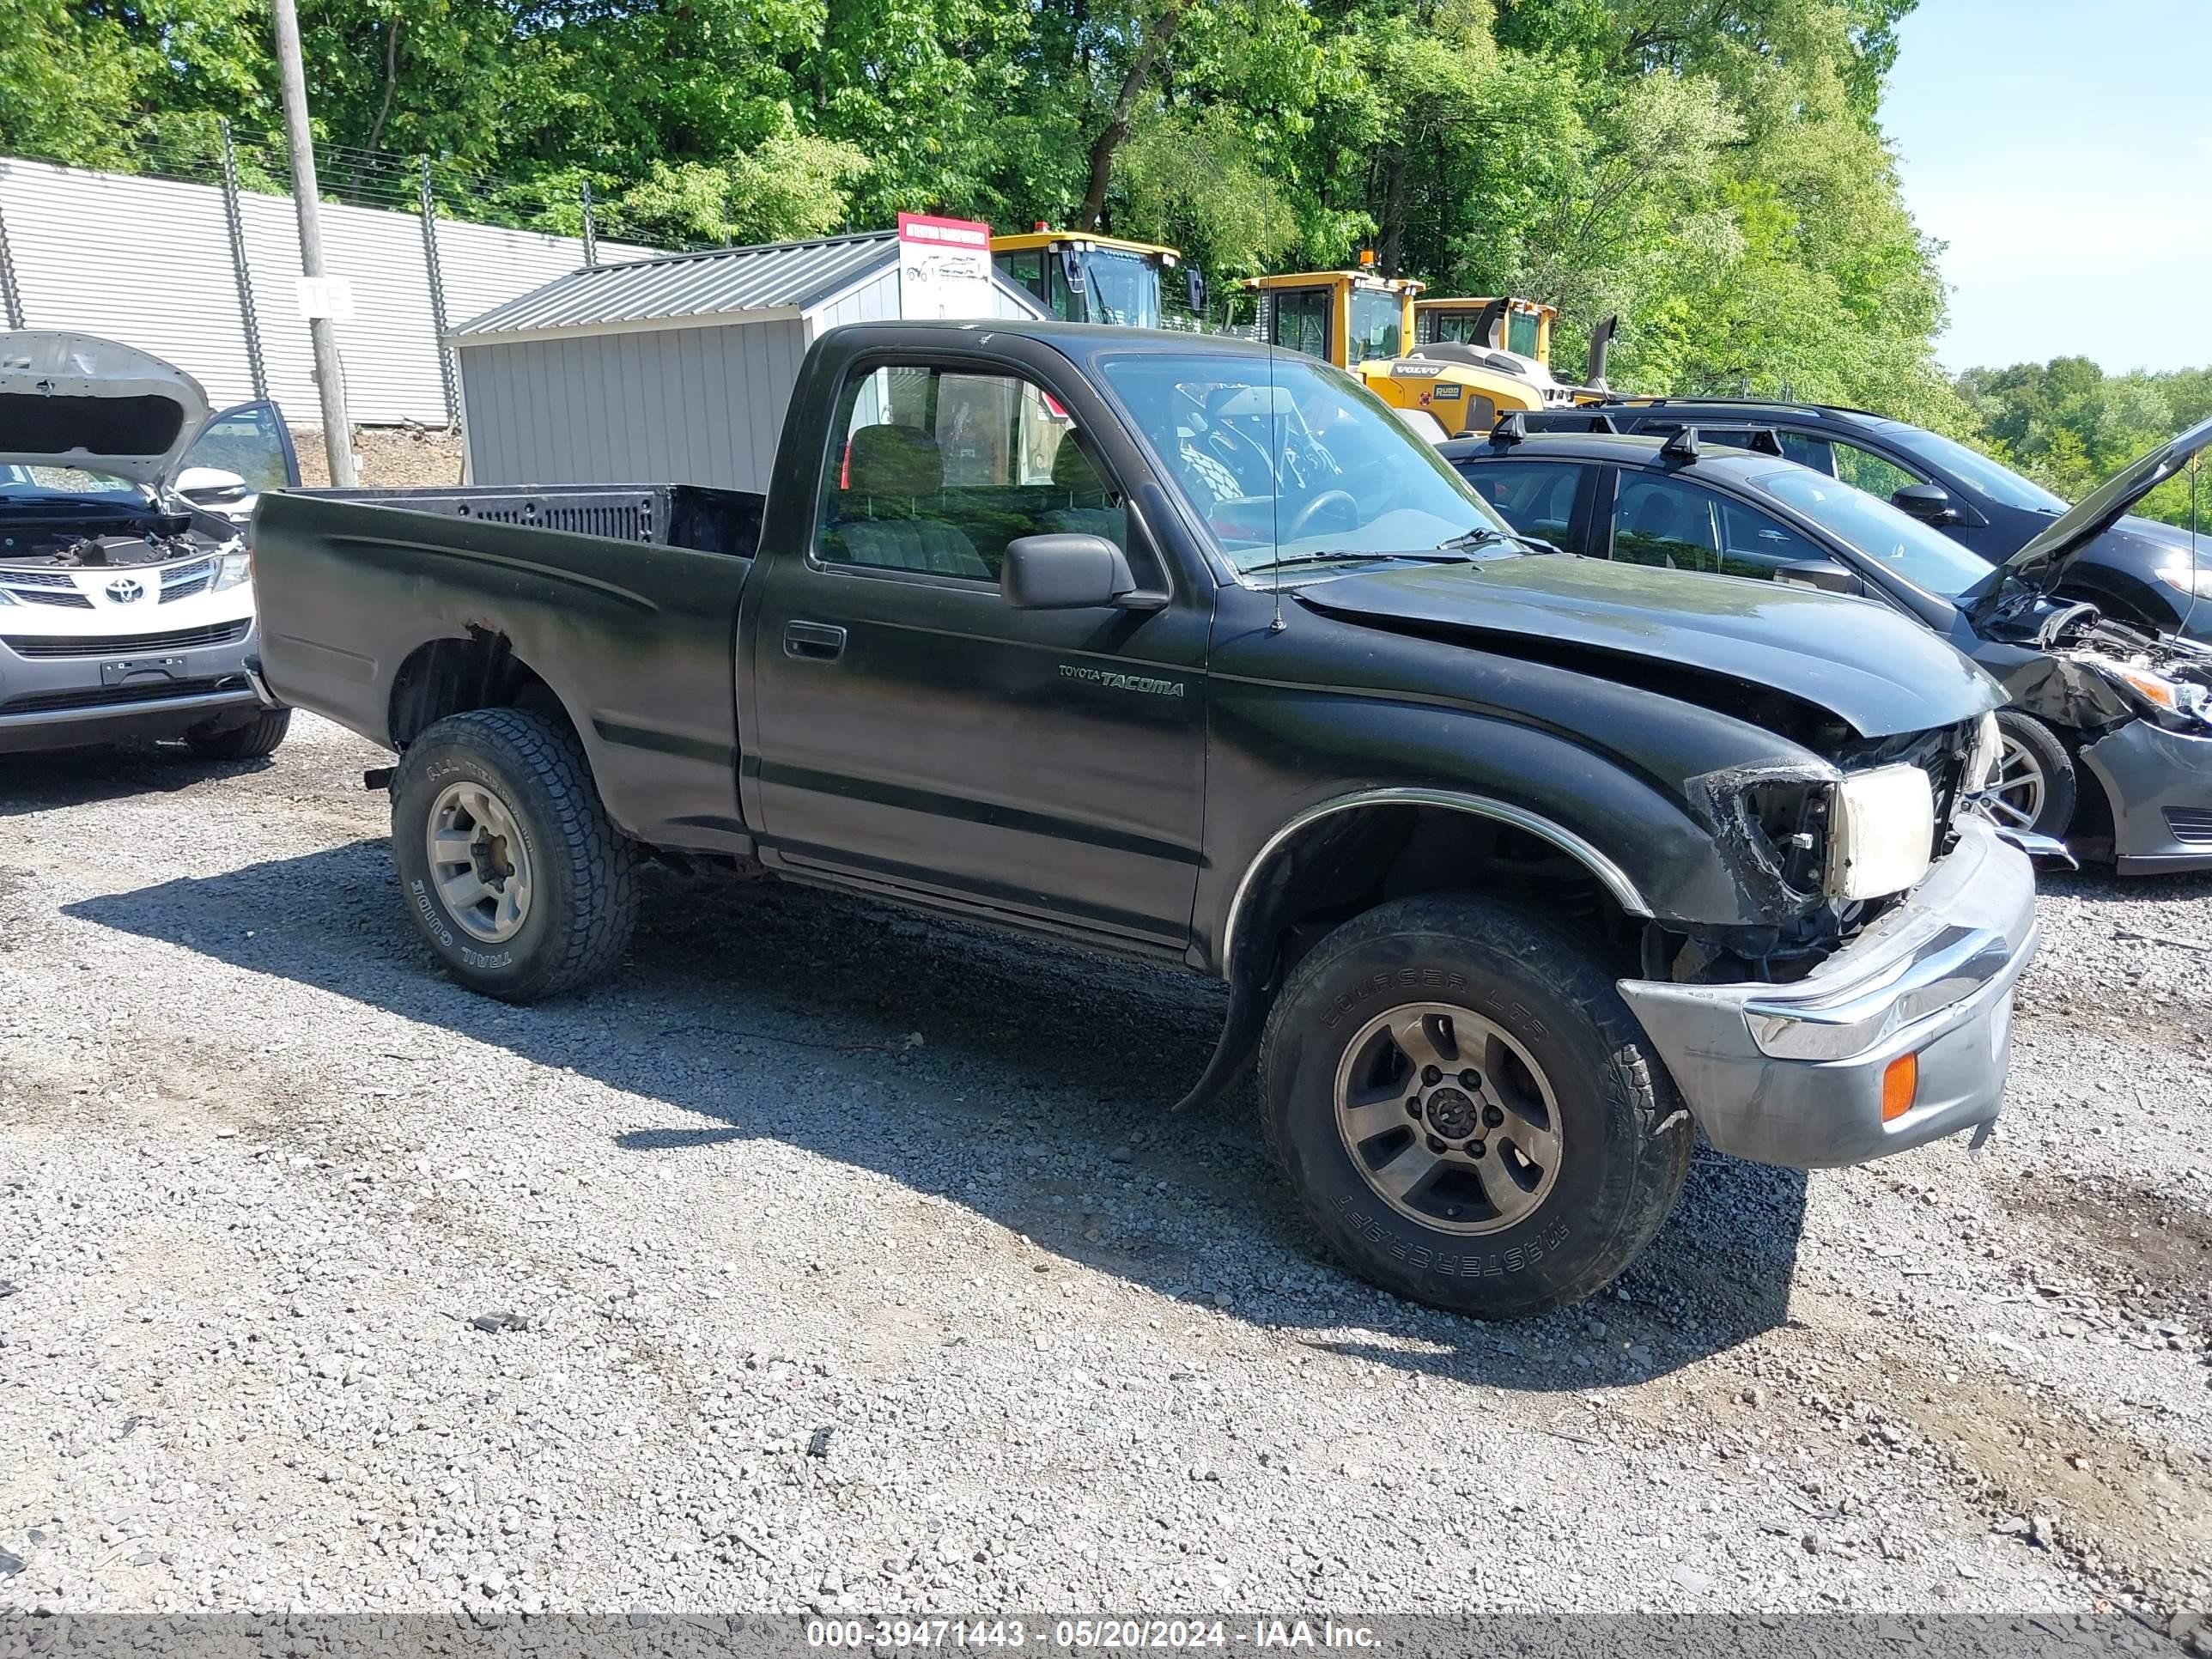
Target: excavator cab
point(1081, 277)
point(1514, 335)
point(1342, 316)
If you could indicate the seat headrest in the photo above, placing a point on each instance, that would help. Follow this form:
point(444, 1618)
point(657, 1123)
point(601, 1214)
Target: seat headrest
point(894, 460)
point(1071, 469)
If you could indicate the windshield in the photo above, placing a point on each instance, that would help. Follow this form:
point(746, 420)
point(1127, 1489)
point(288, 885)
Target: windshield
point(1286, 460)
point(1376, 320)
point(1125, 288)
point(22, 482)
point(1927, 558)
point(2000, 483)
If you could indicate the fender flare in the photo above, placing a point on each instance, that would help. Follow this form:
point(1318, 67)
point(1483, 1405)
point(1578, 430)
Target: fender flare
point(1248, 1003)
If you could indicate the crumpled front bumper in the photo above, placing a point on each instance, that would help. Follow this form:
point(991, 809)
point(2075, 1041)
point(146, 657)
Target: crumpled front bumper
point(2160, 784)
point(1793, 1074)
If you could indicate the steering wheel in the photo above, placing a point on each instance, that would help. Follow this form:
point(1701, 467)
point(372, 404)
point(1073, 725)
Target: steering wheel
point(1306, 514)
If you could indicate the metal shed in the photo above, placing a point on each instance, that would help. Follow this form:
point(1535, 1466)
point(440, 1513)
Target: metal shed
point(675, 370)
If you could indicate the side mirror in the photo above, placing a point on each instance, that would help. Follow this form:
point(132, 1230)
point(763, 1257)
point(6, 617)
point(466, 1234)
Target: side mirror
point(1064, 572)
point(1930, 503)
point(1824, 574)
point(211, 486)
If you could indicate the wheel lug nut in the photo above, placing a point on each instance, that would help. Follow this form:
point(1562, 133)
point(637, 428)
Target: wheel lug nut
point(1435, 1144)
point(1413, 1108)
point(1432, 1076)
point(1474, 1149)
point(1470, 1078)
point(1493, 1116)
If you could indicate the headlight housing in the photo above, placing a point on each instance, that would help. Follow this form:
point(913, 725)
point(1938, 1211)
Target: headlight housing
point(2170, 701)
point(1882, 833)
point(234, 564)
point(2188, 579)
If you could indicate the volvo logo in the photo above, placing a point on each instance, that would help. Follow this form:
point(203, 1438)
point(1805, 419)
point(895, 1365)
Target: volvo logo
point(126, 590)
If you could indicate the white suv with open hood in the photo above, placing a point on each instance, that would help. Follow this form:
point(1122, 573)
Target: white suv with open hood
point(126, 596)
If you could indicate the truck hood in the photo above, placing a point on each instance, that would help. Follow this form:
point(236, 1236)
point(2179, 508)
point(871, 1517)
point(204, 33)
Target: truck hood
point(1880, 673)
point(2042, 561)
point(75, 400)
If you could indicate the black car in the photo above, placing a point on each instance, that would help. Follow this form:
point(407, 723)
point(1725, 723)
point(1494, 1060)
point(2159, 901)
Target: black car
point(2129, 710)
point(2139, 571)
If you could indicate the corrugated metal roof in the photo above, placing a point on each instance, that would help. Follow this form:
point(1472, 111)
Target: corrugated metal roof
point(780, 276)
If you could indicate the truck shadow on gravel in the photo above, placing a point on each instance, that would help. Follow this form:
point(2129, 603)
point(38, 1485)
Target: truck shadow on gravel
point(1027, 1082)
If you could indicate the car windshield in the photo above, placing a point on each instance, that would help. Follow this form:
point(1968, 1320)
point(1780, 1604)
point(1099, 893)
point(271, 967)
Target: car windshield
point(2000, 483)
point(1286, 460)
point(1927, 558)
point(21, 483)
point(1125, 288)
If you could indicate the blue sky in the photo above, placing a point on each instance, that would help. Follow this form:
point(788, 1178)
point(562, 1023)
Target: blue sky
point(2063, 150)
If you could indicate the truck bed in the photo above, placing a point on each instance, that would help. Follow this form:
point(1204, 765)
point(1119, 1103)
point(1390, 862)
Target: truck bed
point(633, 629)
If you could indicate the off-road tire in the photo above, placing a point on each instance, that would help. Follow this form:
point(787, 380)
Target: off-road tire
point(584, 898)
point(2061, 788)
point(248, 739)
point(1626, 1142)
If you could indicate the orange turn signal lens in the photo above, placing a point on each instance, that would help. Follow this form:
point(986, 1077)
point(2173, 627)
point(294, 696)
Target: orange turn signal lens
point(1901, 1082)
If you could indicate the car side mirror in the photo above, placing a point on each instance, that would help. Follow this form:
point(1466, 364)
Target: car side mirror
point(1824, 574)
point(1930, 503)
point(1062, 572)
point(211, 486)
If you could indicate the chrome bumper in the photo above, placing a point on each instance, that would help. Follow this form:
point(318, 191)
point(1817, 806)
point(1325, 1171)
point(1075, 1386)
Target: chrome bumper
point(1793, 1074)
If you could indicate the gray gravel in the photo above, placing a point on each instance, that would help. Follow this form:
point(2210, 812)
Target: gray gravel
point(831, 1258)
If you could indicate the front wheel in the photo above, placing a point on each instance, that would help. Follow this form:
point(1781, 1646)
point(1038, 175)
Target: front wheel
point(512, 872)
point(1466, 1110)
point(2035, 785)
point(246, 739)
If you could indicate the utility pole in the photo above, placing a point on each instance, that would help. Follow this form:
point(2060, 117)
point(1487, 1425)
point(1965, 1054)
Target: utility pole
point(307, 201)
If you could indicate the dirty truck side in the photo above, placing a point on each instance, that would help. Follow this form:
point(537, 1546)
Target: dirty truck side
point(1517, 864)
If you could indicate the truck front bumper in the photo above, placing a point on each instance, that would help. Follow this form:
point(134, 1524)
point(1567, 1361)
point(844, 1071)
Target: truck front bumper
point(1793, 1074)
point(2160, 784)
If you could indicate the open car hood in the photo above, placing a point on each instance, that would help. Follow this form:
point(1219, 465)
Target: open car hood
point(74, 400)
point(2043, 559)
point(1879, 672)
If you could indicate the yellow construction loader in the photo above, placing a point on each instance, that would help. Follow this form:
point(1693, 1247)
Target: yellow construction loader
point(1442, 359)
point(1082, 278)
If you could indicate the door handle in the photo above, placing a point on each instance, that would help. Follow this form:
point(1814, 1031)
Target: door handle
point(817, 642)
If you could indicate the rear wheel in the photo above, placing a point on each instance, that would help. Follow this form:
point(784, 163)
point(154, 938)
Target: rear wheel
point(513, 874)
point(1466, 1110)
point(2035, 787)
point(246, 739)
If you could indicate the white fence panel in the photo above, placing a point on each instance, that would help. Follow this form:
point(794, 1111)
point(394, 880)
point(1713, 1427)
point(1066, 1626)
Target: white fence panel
point(146, 261)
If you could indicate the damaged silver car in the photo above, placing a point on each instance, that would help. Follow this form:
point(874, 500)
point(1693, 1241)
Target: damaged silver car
point(126, 597)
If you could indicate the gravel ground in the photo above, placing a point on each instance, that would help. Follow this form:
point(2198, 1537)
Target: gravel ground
point(833, 1258)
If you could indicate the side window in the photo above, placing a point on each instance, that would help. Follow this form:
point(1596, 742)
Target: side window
point(1535, 497)
point(249, 441)
point(940, 469)
point(1026, 268)
point(1876, 474)
point(1665, 522)
point(1302, 319)
point(1753, 543)
point(1808, 450)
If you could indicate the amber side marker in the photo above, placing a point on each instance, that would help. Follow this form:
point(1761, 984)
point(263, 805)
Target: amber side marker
point(1901, 1081)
